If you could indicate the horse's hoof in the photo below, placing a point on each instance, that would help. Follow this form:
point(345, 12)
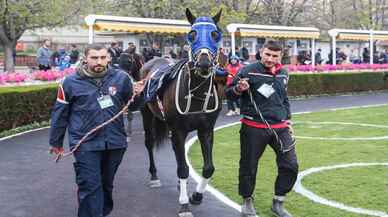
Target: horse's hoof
point(185, 211)
point(185, 214)
point(196, 198)
point(155, 183)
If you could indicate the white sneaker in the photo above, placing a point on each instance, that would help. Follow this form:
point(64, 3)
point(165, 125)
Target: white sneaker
point(230, 113)
point(128, 139)
point(237, 112)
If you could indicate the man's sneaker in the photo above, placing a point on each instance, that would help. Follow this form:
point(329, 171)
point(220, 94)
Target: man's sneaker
point(230, 113)
point(247, 208)
point(237, 112)
point(278, 209)
point(128, 139)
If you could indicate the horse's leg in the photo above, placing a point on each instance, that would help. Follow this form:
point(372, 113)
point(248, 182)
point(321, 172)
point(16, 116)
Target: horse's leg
point(205, 137)
point(178, 143)
point(149, 143)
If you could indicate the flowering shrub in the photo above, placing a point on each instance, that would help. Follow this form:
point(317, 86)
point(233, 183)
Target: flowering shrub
point(333, 68)
point(50, 75)
point(14, 77)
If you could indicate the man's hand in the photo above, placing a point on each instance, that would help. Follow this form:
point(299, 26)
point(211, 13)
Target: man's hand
point(242, 85)
point(138, 87)
point(56, 150)
point(290, 128)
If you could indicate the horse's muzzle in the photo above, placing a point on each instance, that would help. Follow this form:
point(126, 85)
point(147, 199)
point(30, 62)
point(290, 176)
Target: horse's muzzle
point(204, 62)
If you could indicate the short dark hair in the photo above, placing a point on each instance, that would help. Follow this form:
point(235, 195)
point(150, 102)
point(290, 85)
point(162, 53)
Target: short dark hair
point(93, 47)
point(273, 45)
point(46, 39)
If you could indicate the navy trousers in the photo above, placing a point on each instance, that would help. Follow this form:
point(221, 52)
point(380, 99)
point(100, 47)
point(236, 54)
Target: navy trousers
point(95, 171)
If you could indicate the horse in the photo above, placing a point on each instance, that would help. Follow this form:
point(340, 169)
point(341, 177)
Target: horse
point(190, 101)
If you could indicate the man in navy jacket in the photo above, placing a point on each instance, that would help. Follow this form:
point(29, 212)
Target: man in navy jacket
point(86, 99)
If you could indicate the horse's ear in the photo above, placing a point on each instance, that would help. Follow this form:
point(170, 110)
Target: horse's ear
point(217, 17)
point(190, 17)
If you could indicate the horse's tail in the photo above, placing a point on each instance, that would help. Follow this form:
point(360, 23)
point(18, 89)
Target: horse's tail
point(160, 131)
point(156, 130)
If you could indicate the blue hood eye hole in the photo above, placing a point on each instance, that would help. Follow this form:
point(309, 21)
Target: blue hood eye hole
point(215, 36)
point(192, 36)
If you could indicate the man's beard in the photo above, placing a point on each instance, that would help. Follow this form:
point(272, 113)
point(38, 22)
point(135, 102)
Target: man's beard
point(98, 69)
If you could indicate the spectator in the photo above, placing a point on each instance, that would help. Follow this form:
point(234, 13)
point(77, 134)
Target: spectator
point(64, 63)
point(155, 51)
point(74, 54)
point(43, 56)
point(236, 52)
point(232, 68)
point(131, 62)
point(114, 52)
point(244, 54)
point(318, 57)
point(257, 55)
point(365, 55)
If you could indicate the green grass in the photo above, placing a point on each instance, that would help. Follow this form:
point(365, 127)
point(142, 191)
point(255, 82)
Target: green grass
point(24, 128)
point(26, 88)
point(364, 187)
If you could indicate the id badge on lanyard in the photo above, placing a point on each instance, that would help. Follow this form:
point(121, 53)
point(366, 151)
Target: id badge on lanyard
point(105, 101)
point(266, 90)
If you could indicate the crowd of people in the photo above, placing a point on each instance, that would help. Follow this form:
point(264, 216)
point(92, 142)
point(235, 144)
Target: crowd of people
point(60, 58)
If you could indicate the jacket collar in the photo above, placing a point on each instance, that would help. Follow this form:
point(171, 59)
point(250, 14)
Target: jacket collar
point(266, 70)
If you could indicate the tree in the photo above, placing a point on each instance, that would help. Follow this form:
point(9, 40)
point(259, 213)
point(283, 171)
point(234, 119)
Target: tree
point(17, 16)
point(348, 14)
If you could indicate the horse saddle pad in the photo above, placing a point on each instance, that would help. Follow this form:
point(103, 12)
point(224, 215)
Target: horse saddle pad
point(160, 79)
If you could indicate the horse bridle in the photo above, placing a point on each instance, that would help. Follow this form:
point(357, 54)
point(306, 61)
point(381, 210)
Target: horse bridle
point(191, 68)
point(193, 61)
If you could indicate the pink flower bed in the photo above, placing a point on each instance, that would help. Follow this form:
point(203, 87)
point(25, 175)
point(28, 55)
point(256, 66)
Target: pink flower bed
point(334, 68)
point(12, 78)
point(51, 75)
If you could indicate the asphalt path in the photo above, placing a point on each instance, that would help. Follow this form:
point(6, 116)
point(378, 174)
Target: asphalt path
point(32, 185)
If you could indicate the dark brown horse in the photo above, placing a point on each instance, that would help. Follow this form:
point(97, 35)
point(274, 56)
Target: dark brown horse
point(190, 102)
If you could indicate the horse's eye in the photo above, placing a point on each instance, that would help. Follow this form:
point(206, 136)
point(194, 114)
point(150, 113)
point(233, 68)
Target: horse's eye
point(215, 36)
point(192, 35)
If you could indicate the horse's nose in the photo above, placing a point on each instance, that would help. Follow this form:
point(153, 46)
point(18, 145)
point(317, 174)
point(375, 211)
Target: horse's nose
point(204, 61)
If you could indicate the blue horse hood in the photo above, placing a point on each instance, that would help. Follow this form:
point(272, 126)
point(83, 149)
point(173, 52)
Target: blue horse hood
point(207, 35)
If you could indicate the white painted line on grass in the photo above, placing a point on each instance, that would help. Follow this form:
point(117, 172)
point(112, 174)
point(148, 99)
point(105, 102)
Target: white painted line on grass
point(342, 138)
point(312, 196)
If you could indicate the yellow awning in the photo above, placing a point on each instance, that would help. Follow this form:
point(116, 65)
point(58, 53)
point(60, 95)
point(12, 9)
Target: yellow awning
point(361, 37)
point(279, 34)
point(141, 28)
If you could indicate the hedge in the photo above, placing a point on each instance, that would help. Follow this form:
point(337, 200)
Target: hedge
point(25, 105)
point(335, 83)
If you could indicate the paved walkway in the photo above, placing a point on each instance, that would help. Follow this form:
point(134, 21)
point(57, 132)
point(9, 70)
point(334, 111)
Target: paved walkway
point(31, 185)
